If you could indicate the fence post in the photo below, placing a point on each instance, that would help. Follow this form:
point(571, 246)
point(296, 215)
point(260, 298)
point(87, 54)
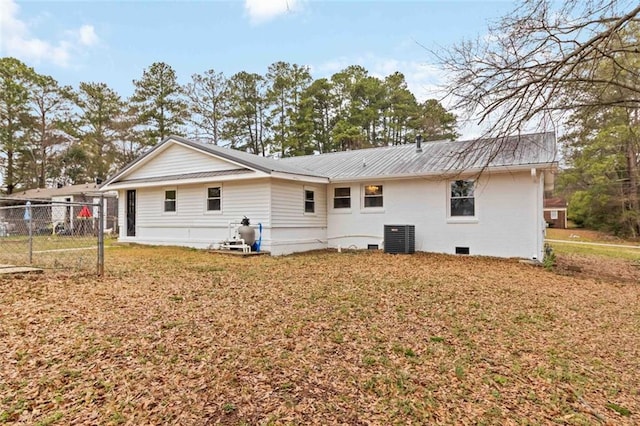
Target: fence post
point(101, 236)
point(28, 218)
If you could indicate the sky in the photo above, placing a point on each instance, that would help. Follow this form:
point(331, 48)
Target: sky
point(114, 41)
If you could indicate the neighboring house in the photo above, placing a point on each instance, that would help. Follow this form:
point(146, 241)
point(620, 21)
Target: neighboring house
point(555, 212)
point(186, 193)
point(67, 215)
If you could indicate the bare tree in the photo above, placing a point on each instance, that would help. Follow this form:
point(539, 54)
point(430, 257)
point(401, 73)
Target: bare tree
point(543, 59)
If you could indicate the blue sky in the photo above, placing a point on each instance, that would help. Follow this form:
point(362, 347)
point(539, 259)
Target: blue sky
point(113, 41)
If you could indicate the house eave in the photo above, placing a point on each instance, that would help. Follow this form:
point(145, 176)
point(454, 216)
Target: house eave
point(299, 178)
point(174, 182)
point(445, 174)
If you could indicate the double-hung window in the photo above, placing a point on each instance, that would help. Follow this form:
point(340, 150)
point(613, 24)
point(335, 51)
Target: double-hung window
point(214, 199)
point(373, 196)
point(342, 198)
point(170, 198)
point(309, 201)
point(462, 198)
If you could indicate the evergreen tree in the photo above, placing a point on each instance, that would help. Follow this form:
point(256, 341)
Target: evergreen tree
point(97, 129)
point(158, 98)
point(208, 105)
point(247, 126)
point(316, 112)
point(286, 85)
point(16, 81)
point(51, 107)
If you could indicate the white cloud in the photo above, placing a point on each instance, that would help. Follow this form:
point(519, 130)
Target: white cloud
point(264, 10)
point(16, 39)
point(87, 35)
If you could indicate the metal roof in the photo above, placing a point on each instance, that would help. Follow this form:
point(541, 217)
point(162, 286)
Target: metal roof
point(182, 176)
point(47, 193)
point(436, 157)
point(392, 161)
point(256, 162)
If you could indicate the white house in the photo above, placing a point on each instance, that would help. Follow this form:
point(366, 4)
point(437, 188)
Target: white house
point(488, 202)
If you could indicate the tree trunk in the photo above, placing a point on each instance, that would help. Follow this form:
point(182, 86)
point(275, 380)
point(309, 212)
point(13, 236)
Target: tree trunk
point(634, 203)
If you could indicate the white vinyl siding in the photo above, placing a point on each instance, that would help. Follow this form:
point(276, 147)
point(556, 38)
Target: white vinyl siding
point(178, 159)
point(243, 198)
point(288, 202)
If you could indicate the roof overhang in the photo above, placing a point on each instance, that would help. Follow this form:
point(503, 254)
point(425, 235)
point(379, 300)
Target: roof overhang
point(299, 178)
point(184, 180)
point(548, 168)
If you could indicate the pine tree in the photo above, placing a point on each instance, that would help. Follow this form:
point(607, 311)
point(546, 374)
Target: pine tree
point(159, 100)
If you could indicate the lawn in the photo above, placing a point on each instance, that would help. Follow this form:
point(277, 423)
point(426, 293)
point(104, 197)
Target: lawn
point(177, 336)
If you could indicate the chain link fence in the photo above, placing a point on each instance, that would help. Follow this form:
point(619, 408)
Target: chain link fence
point(52, 235)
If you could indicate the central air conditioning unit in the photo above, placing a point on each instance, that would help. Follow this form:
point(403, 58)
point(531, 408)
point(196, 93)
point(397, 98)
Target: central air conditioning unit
point(399, 239)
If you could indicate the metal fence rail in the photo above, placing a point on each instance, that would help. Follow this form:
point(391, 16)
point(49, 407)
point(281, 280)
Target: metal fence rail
point(59, 235)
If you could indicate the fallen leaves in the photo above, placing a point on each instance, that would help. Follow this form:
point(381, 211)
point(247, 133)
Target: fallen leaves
point(181, 336)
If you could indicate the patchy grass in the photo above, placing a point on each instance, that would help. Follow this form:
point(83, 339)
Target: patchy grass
point(632, 254)
point(186, 337)
point(587, 235)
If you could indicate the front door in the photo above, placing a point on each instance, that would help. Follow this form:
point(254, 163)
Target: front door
point(131, 213)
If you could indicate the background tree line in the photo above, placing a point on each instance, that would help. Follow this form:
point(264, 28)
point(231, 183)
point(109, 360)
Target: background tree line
point(54, 134)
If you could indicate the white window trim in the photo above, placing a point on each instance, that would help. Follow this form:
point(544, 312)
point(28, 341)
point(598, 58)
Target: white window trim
point(343, 210)
point(206, 198)
point(364, 209)
point(164, 198)
point(553, 213)
point(462, 219)
point(304, 200)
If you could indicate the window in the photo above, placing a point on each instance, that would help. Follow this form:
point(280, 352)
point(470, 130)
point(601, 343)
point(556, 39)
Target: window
point(462, 198)
point(342, 198)
point(554, 214)
point(170, 200)
point(373, 196)
point(214, 199)
point(309, 201)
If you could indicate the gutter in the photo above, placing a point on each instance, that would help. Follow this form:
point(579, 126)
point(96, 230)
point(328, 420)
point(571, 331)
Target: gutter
point(447, 173)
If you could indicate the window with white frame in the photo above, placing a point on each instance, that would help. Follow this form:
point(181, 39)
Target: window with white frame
point(462, 198)
point(554, 214)
point(309, 201)
point(214, 198)
point(373, 196)
point(170, 197)
point(342, 198)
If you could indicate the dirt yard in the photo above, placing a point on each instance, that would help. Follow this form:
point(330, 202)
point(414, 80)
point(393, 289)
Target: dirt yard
point(176, 336)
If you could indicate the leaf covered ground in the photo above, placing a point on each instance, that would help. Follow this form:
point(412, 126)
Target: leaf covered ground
point(177, 336)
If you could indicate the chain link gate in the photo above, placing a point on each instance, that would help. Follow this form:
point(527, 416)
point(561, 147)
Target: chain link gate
point(52, 235)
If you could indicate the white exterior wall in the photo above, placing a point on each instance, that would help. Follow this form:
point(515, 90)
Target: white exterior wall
point(191, 224)
point(177, 159)
point(292, 229)
point(507, 223)
point(59, 212)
